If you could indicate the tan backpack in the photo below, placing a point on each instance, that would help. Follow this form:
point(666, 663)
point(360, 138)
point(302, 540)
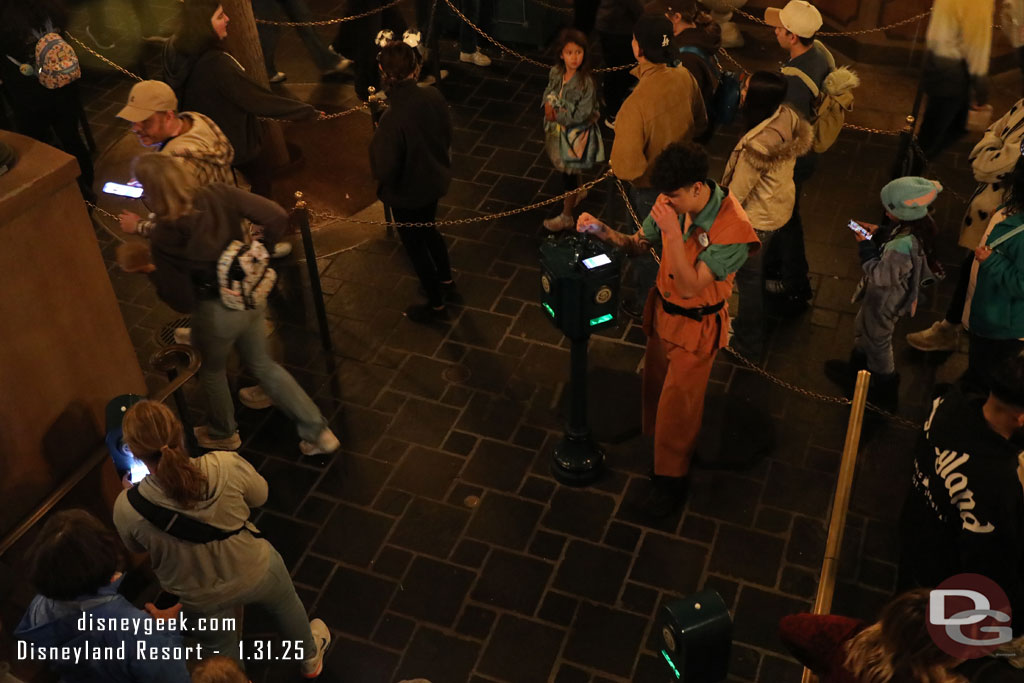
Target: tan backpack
point(831, 101)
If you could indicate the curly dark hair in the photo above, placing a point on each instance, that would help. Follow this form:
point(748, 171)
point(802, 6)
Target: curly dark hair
point(73, 555)
point(681, 164)
point(195, 34)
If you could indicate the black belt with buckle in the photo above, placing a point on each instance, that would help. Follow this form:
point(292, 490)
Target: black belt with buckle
point(691, 313)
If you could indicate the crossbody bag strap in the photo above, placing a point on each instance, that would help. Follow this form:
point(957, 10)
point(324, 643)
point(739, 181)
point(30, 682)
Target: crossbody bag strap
point(178, 525)
point(807, 80)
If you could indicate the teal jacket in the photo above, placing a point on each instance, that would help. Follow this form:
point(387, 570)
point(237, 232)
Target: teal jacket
point(997, 307)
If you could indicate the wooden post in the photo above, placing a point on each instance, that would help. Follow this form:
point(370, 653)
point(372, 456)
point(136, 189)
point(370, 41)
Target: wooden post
point(841, 503)
point(243, 43)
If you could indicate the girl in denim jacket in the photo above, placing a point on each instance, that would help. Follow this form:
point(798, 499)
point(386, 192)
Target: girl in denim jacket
point(573, 140)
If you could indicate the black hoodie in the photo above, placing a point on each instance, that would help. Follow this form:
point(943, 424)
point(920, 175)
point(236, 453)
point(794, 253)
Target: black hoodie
point(965, 509)
point(698, 63)
point(215, 84)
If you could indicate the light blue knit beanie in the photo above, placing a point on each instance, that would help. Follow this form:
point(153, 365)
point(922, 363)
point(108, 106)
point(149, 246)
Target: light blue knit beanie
point(908, 198)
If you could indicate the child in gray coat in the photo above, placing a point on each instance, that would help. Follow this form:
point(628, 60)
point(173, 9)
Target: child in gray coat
point(897, 262)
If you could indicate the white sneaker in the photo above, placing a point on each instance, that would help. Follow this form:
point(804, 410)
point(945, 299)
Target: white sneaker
point(183, 335)
point(327, 442)
point(558, 223)
point(478, 58)
point(254, 397)
point(228, 443)
point(278, 77)
point(941, 336)
point(312, 667)
point(281, 249)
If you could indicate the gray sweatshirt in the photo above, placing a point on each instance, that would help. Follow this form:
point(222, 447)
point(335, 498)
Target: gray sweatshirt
point(203, 573)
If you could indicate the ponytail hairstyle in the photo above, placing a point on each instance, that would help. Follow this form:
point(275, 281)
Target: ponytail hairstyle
point(926, 231)
point(155, 437)
point(765, 92)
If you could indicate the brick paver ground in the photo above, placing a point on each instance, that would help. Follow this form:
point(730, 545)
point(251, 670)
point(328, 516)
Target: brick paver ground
point(437, 545)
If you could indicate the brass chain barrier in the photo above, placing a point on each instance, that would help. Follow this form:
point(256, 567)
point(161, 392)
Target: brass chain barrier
point(323, 116)
point(902, 22)
point(636, 219)
point(825, 398)
point(103, 225)
point(518, 55)
point(850, 126)
point(327, 215)
point(330, 22)
point(88, 49)
point(557, 8)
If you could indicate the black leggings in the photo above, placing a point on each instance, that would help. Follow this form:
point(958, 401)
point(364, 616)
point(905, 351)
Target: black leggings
point(58, 111)
point(426, 249)
point(570, 181)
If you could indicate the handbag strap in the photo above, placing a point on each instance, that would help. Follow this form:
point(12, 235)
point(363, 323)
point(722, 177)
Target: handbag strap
point(178, 525)
point(1002, 238)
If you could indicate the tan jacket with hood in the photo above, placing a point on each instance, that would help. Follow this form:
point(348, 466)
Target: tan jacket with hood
point(759, 173)
point(665, 107)
point(204, 150)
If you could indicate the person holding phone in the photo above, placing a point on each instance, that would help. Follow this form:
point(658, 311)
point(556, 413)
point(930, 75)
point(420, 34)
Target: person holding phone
point(705, 236)
point(897, 262)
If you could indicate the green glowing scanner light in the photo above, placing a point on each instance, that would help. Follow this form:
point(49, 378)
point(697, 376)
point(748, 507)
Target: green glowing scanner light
point(671, 664)
point(551, 311)
point(603, 319)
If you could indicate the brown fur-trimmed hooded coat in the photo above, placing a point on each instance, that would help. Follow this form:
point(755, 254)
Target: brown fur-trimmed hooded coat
point(760, 169)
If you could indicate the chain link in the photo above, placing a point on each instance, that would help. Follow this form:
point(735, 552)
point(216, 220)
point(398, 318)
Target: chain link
point(518, 55)
point(323, 116)
point(636, 219)
point(557, 8)
point(909, 20)
point(88, 49)
point(817, 396)
point(330, 22)
point(103, 225)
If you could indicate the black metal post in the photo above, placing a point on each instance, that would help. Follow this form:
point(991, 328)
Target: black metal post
point(577, 459)
point(314, 271)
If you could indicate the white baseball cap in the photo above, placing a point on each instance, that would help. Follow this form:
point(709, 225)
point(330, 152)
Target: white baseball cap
point(798, 16)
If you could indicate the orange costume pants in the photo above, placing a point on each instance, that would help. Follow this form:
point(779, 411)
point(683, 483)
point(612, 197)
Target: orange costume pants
point(674, 383)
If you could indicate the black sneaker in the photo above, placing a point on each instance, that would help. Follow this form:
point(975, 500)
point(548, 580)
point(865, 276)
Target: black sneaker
point(424, 314)
point(667, 494)
point(448, 291)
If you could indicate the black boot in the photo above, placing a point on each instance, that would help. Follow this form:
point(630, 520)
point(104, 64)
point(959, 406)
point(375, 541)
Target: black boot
point(884, 391)
point(667, 494)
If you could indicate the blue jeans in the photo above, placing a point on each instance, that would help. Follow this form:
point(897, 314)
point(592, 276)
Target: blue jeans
point(290, 10)
point(216, 329)
point(276, 594)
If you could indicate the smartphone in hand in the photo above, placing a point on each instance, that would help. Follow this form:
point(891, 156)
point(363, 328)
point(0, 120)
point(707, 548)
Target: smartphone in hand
point(860, 229)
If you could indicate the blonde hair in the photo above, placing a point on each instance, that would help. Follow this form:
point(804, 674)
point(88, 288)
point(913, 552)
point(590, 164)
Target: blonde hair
point(898, 649)
point(155, 437)
point(168, 187)
point(218, 670)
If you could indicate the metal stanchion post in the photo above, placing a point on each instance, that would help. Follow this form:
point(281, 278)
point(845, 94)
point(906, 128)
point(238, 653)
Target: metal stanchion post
point(314, 271)
point(841, 503)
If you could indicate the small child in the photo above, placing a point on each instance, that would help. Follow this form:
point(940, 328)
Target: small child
point(571, 112)
point(895, 269)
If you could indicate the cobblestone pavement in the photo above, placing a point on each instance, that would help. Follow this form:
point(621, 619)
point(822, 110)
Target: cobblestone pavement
point(437, 545)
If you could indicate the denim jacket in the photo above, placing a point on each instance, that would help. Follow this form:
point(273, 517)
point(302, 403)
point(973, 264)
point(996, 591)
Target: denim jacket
point(575, 102)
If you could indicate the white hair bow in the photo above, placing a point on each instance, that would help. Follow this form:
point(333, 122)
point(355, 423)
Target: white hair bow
point(384, 37)
point(412, 39)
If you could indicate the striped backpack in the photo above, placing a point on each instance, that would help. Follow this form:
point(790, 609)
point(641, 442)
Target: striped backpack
point(56, 62)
